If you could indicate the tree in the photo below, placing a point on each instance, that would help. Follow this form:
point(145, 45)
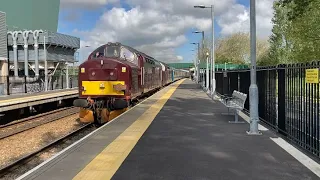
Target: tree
point(205, 49)
point(279, 44)
point(294, 34)
point(236, 49)
point(304, 34)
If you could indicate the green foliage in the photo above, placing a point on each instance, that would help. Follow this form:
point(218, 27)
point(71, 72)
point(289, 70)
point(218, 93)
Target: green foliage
point(236, 49)
point(295, 34)
point(304, 34)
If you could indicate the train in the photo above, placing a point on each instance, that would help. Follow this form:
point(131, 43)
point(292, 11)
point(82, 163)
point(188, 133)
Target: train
point(114, 75)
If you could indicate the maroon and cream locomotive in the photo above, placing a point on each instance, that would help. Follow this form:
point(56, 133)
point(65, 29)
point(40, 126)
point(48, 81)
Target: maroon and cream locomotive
point(113, 75)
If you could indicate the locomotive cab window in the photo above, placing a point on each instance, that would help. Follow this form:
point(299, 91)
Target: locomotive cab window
point(98, 53)
point(128, 55)
point(112, 51)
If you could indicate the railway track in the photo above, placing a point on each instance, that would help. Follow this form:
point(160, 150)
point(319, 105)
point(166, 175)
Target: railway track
point(27, 158)
point(35, 121)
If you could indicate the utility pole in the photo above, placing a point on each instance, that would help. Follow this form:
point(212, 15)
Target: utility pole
point(253, 90)
point(213, 75)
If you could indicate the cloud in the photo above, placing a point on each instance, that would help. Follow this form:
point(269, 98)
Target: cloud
point(154, 27)
point(236, 19)
point(157, 28)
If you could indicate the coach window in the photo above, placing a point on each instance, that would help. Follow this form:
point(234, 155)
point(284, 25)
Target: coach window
point(128, 55)
point(98, 53)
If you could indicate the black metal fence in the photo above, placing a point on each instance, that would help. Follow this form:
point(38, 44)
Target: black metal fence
point(23, 84)
point(286, 102)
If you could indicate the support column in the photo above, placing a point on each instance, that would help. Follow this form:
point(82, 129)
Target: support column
point(67, 76)
point(4, 74)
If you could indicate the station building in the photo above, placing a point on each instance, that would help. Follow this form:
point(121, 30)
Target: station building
point(29, 38)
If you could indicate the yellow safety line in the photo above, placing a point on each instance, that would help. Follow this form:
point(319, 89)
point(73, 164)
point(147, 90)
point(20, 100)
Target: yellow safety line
point(38, 97)
point(105, 164)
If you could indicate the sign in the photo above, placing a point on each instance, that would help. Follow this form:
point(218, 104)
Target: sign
point(312, 75)
point(225, 74)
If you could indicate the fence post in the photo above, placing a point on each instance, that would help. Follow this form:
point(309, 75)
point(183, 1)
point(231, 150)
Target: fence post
point(8, 85)
point(61, 82)
point(262, 83)
point(25, 84)
point(70, 79)
point(281, 99)
point(225, 82)
point(52, 83)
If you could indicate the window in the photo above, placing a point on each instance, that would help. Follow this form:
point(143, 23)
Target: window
point(98, 53)
point(128, 55)
point(112, 51)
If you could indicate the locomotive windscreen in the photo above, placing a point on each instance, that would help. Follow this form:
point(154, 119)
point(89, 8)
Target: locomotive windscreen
point(112, 51)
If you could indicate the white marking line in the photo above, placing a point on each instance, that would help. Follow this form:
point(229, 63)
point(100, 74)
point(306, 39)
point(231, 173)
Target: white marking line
point(298, 155)
point(302, 158)
point(80, 140)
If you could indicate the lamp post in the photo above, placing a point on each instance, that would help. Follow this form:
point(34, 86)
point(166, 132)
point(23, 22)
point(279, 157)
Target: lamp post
point(198, 60)
point(207, 73)
point(253, 89)
point(202, 55)
point(195, 66)
point(213, 87)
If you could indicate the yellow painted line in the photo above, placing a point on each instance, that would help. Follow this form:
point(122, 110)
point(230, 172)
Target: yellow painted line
point(105, 164)
point(38, 97)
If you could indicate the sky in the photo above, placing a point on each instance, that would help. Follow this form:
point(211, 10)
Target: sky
point(160, 28)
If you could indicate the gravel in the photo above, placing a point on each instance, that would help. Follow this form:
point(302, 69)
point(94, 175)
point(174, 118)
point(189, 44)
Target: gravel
point(34, 122)
point(42, 156)
point(19, 145)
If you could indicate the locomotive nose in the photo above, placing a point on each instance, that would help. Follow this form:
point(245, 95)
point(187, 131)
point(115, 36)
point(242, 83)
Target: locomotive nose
point(102, 74)
point(100, 79)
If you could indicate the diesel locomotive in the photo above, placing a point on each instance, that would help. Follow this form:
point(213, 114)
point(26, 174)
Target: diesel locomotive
point(113, 76)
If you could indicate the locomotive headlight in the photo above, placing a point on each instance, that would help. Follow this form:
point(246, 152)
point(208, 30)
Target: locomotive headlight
point(93, 73)
point(111, 73)
point(101, 85)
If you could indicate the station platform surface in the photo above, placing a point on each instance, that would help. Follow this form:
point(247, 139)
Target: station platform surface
point(18, 101)
point(178, 133)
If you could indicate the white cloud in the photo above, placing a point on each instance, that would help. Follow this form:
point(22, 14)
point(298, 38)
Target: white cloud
point(158, 27)
point(236, 19)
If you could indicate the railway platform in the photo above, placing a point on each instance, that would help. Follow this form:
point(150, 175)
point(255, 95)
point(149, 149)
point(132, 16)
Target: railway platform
point(178, 133)
point(12, 102)
point(17, 106)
